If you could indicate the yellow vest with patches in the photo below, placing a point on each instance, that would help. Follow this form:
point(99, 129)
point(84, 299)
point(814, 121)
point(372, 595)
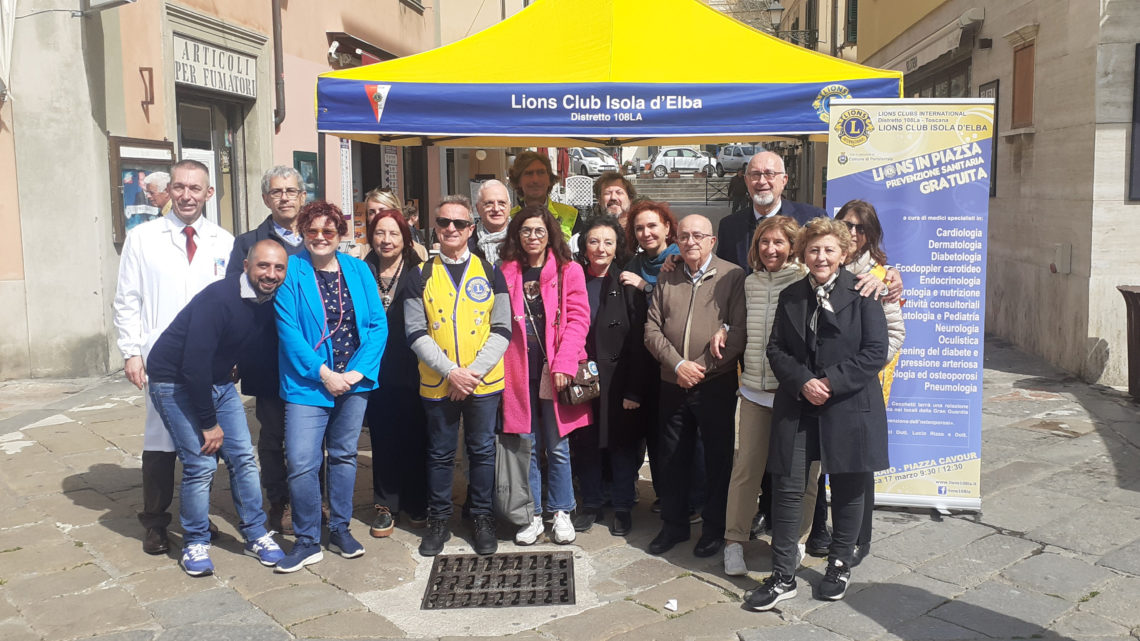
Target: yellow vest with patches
point(470, 304)
point(566, 216)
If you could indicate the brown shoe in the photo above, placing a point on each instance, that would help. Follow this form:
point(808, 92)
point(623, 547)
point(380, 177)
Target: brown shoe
point(155, 541)
point(281, 518)
point(383, 524)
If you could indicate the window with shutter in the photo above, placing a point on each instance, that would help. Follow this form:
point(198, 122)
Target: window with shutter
point(1022, 111)
point(852, 28)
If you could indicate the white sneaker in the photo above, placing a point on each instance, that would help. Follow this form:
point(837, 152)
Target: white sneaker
point(528, 534)
point(563, 528)
point(734, 560)
point(801, 553)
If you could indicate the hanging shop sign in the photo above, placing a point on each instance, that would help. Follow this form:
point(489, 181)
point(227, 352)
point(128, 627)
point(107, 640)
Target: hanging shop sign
point(203, 65)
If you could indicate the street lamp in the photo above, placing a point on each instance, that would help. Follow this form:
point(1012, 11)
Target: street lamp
point(805, 37)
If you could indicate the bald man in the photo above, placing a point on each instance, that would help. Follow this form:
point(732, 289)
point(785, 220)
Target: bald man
point(698, 380)
point(765, 178)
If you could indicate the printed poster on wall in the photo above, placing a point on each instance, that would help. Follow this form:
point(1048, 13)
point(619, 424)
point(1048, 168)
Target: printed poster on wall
point(925, 166)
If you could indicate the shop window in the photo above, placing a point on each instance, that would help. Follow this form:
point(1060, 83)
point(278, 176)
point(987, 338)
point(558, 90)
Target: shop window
point(1023, 60)
point(948, 82)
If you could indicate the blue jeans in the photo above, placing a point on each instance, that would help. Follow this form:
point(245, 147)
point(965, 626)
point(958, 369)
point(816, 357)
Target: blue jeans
point(545, 438)
point(172, 400)
point(307, 428)
point(480, 421)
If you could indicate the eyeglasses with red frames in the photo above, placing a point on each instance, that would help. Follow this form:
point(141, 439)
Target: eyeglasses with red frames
point(328, 232)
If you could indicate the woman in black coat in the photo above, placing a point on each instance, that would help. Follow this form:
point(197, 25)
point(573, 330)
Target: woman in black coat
point(615, 343)
point(827, 346)
point(396, 420)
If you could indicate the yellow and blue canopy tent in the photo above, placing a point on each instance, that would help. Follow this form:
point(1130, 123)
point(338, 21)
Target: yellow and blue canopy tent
point(569, 73)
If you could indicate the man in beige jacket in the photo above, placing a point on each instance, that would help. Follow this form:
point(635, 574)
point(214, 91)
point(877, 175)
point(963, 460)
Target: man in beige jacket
point(698, 380)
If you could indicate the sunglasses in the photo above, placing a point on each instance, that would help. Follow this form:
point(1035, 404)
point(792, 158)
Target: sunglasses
point(313, 232)
point(857, 228)
point(460, 224)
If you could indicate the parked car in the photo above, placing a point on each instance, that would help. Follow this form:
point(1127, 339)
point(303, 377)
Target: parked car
point(681, 159)
point(735, 157)
point(590, 161)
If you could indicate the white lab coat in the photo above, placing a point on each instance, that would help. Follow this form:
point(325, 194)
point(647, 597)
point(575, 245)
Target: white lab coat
point(155, 283)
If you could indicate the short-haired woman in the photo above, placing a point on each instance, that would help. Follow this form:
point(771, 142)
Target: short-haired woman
point(332, 332)
point(626, 372)
point(827, 346)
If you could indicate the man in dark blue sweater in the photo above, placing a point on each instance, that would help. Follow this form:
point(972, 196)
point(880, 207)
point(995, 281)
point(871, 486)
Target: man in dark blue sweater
point(283, 192)
point(191, 385)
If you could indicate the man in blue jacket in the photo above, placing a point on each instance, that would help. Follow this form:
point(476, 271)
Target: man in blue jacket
point(190, 384)
point(284, 194)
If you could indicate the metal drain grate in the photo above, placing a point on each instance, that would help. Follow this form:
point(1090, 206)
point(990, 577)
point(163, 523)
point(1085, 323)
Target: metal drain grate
point(500, 580)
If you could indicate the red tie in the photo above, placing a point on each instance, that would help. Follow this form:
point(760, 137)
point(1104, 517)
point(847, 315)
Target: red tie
point(191, 246)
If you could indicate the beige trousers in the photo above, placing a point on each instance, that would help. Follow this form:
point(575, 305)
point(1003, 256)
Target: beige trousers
point(753, 430)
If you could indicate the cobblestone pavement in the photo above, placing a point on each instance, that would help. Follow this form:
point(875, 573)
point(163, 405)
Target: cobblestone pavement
point(1054, 555)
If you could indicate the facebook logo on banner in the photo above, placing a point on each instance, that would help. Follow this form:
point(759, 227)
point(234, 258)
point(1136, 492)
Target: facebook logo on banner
point(942, 489)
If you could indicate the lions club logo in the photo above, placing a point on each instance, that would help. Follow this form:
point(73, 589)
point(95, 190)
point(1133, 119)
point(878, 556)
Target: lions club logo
point(854, 127)
point(823, 99)
point(478, 289)
point(377, 98)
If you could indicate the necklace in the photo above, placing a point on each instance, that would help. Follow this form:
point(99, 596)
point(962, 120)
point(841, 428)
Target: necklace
point(386, 292)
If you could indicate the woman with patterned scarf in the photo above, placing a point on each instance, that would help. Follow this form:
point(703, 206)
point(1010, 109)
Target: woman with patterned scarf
point(827, 346)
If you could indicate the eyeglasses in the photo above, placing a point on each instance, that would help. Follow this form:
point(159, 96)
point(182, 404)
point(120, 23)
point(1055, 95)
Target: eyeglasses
point(460, 224)
point(694, 237)
point(329, 233)
point(855, 227)
point(289, 193)
point(533, 232)
point(769, 174)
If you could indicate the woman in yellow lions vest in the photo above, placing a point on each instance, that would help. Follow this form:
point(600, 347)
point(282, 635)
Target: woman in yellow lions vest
point(533, 177)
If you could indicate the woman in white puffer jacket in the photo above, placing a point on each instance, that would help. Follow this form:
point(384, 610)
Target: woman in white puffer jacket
point(770, 256)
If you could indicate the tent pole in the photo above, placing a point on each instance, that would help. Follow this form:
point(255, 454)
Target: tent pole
point(807, 165)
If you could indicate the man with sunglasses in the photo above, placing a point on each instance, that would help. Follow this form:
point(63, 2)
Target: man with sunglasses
point(283, 192)
point(459, 326)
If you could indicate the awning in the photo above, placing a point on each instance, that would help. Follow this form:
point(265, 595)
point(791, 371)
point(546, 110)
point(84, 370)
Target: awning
point(946, 39)
point(598, 73)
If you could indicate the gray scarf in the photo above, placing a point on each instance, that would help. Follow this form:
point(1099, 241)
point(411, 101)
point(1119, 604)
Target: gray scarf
point(822, 298)
point(490, 242)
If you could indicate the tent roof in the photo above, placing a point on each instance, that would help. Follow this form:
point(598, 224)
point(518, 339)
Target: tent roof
point(622, 48)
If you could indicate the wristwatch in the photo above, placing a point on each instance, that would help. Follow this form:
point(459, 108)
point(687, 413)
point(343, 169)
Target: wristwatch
point(648, 288)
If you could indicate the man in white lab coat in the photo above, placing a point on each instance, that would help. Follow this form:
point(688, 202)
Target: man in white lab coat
point(165, 262)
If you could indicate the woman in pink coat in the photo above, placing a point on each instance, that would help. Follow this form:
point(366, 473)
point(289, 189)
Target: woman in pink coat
point(550, 319)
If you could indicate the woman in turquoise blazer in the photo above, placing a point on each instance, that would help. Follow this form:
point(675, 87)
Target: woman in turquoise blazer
point(332, 329)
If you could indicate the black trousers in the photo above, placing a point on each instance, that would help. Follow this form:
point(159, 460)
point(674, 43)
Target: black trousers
point(819, 518)
point(397, 426)
point(846, 503)
point(705, 414)
point(270, 413)
point(158, 488)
